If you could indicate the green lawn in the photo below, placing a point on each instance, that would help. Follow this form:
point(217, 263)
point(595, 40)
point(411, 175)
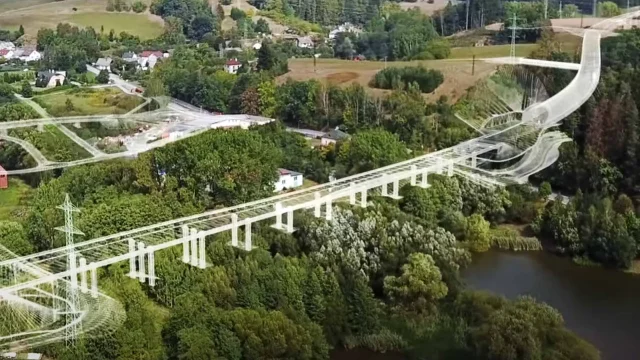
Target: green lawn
point(13, 200)
point(136, 24)
point(491, 51)
point(88, 102)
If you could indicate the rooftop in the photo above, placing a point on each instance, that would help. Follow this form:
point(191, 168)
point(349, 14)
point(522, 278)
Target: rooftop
point(336, 134)
point(282, 172)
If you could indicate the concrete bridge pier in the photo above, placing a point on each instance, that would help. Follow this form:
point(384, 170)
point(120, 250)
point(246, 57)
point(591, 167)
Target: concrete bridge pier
point(185, 244)
point(132, 258)
point(83, 275)
point(194, 247)
point(40, 127)
point(94, 280)
point(423, 181)
point(141, 267)
point(414, 175)
point(202, 259)
point(329, 210)
point(247, 236)
point(317, 205)
point(234, 230)
point(363, 198)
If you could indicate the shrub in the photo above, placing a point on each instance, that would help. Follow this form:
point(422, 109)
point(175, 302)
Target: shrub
point(389, 78)
point(237, 14)
point(139, 6)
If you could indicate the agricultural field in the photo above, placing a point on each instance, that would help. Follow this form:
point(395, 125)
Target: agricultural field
point(8, 5)
point(78, 102)
point(458, 75)
point(47, 14)
point(425, 7)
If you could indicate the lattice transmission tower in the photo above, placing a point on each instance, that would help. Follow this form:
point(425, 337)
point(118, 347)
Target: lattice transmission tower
point(72, 312)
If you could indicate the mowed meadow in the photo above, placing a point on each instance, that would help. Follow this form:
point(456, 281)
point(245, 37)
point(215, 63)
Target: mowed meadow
point(37, 14)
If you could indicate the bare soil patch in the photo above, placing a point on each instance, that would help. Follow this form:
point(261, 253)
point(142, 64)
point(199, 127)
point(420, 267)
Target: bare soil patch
point(339, 78)
point(425, 7)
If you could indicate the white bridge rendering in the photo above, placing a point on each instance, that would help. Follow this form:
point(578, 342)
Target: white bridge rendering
point(55, 293)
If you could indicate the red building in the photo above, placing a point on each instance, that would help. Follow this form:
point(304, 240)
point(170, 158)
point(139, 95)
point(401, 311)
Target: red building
point(4, 178)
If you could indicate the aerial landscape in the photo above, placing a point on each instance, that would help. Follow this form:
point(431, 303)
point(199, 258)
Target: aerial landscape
point(319, 179)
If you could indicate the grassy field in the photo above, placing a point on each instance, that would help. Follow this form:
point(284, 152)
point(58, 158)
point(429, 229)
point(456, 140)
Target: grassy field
point(88, 102)
point(135, 24)
point(52, 143)
point(14, 199)
point(47, 14)
point(457, 73)
point(491, 51)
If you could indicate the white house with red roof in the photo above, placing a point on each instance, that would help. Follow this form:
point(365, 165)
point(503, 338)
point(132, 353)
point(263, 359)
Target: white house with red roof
point(288, 179)
point(27, 54)
point(148, 59)
point(232, 66)
point(6, 54)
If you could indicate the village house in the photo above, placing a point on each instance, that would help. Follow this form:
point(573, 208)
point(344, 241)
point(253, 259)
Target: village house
point(148, 59)
point(288, 179)
point(50, 78)
point(6, 54)
point(27, 54)
point(232, 66)
point(305, 42)
point(7, 45)
point(346, 27)
point(104, 64)
point(333, 136)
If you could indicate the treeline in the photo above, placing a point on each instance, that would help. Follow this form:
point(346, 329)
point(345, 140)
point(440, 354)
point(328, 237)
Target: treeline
point(394, 34)
point(594, 228)
point(194, 17)
point(324, 12)
point(427, 80)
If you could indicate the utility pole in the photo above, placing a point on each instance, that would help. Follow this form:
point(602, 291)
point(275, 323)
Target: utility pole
point(595, 6)
point(581, 19)
point(513, 40)
point(560, 9)
point(441, 23)
point(546, 7)
point(473, 65)
point(466, 26)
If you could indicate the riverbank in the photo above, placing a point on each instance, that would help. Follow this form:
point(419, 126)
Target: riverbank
point(598, 304)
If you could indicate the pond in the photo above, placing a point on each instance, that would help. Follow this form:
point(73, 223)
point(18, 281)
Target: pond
point(600, 305)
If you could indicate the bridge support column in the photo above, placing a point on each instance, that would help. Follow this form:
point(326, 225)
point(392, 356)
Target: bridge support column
point(450, 169)
point(132, 258)
point(40, 127)
point(247, 236)
point(316, 210)
point(414, 170)
point(290, 221)
point(72, 268)
point(396, 189)
point(363, 198)
point(352, 193)
point(141, 272)
point(194, 247)
point(94, 280)
point(385, 188)
point(152, 268)
point(234, 230)
point(202, 259)
point(185, 244)
point(423, 181)
point(329, 210)
point(83, 275)
point(278, 209)
point(474, 161)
